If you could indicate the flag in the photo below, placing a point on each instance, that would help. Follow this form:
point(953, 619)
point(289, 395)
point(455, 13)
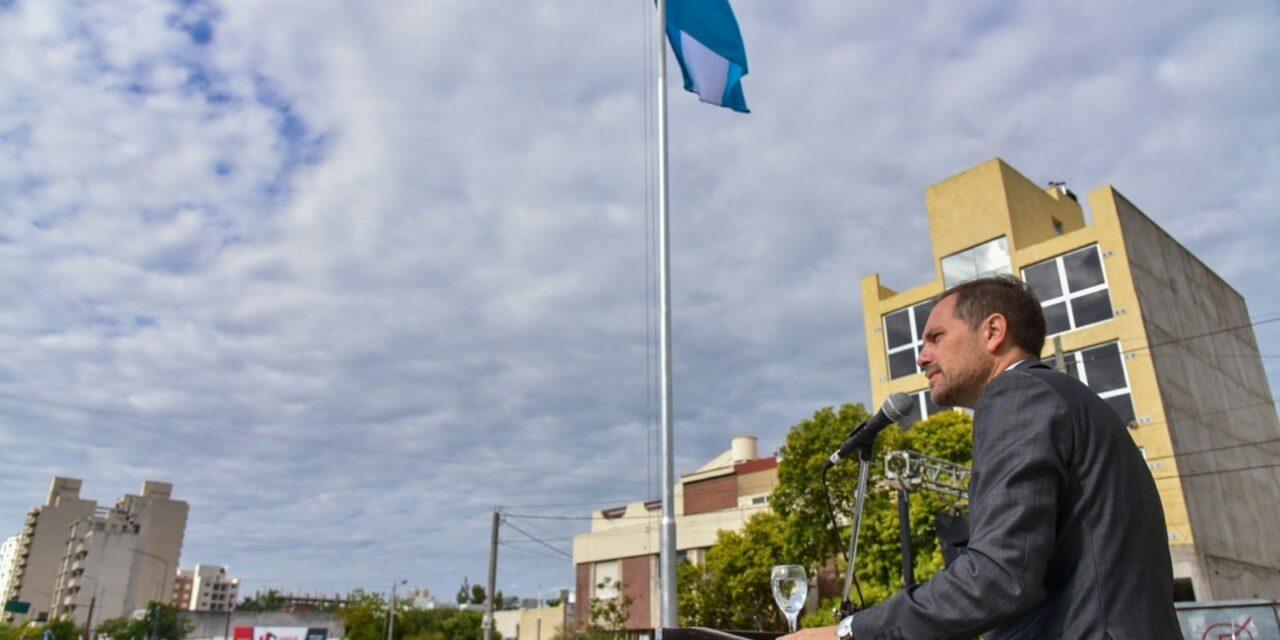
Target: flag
point(708, 45)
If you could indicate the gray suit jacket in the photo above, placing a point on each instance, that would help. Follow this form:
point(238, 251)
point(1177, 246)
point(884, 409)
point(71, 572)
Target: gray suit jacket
point(1067, 534)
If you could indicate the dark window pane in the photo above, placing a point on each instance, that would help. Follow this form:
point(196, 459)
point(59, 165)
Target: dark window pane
point(902, 363)
point(1083, 269)
point(913, 416)
point(1043, 279)
point(1123, 404)
point(1103, 367)
point(1055, 318)
point(1091, 308)
point(1073, 364)
point(922, 316)
point(897, 327)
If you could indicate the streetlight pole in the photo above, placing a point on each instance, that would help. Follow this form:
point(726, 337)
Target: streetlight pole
point(391, 610)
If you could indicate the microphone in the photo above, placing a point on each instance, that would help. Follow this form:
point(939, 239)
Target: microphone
point(893, 410)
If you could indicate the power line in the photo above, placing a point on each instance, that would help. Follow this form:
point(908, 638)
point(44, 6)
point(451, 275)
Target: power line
point(535, 539)
point(509, 544)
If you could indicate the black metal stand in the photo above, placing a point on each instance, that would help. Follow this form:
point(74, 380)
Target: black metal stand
point(864, 466)
point(904, 539)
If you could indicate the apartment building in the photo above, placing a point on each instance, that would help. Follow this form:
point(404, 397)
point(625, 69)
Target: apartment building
point(622, 548)
point(8, 561)
point(41, 546)
point(119, 559)
point(1145, 324)
point(207, 587)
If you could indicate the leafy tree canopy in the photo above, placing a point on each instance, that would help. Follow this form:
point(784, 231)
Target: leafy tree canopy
point(731, 590)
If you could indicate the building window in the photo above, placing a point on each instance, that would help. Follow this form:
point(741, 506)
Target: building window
point(923, 408)
point(986, 259)
point(1057, 226)
point(608, 579)
point(1072, 289)
point(902, 334)
point(1101, 368)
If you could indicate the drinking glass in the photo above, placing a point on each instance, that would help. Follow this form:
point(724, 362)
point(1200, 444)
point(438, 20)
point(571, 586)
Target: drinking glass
point(790, 589)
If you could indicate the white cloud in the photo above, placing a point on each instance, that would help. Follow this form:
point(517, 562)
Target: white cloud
point(300, 256)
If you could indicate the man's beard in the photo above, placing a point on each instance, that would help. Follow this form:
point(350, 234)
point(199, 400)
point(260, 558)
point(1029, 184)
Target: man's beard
point(960, 387)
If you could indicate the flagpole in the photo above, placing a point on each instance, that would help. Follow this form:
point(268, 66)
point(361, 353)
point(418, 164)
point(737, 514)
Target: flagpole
point(667, 557)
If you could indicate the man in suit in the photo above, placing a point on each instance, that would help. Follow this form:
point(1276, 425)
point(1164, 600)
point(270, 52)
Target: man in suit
point(1067, 535)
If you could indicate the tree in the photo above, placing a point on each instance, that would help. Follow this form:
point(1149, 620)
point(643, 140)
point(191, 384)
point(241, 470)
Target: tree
point(114, 628)
point(364, 616)
point(607, 617)
point(731, 589)
point(269, 601)
point(798, 497)
point(162, 621)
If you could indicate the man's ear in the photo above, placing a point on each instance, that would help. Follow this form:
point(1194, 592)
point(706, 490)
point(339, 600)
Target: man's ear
point(995, 332)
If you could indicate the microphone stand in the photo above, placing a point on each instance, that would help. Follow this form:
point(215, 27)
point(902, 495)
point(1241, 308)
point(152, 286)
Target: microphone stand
point(864, 467)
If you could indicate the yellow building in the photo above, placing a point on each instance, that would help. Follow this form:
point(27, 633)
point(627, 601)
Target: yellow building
point(538, 623)
point(623, 544)
point(1145, 324)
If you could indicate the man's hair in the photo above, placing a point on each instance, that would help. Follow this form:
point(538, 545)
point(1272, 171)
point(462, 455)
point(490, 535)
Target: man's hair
point(976, 300)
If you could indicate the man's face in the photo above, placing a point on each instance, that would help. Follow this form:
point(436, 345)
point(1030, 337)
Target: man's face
point(954, 358)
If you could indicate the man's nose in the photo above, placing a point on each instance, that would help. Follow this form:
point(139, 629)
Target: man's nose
point(926, 357)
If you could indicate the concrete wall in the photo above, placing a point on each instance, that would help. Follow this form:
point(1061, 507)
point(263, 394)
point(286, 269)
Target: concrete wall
point(1215, 394)
point(530, 624)
point(211, 625)
point(45, 538)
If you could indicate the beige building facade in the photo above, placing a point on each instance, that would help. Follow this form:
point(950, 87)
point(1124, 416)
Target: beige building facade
point(622, 548)
point(534, 623)
point(8, 561)
point(119, 559)
point(207, 587)
point(1145, 324)
point(41, 546)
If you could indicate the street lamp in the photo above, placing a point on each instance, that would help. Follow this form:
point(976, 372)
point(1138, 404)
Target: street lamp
point(391, 610)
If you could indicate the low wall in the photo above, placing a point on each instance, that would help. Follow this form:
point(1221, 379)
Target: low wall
point(212, 625)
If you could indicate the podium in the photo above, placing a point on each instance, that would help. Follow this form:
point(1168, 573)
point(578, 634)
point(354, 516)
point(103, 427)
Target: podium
point(703, 633)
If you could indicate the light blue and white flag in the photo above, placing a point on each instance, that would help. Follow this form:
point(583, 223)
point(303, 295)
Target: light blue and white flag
point(708, 45)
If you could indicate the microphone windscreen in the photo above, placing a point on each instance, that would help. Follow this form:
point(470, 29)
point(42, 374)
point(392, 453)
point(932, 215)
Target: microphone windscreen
point(898, 406)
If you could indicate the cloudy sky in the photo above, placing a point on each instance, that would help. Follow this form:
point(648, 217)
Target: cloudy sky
point(351, 273)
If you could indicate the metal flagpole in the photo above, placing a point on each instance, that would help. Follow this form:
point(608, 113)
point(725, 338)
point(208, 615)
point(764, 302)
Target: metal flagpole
point(667, 557)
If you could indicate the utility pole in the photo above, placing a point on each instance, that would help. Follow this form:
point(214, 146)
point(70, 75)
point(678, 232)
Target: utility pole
point(88, 622)
point(391, 611)
point(493, 575)
point(226, 632)
point(1059, 362)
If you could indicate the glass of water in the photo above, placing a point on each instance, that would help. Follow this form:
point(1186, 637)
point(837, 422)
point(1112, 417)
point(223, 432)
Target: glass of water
point(790, 589)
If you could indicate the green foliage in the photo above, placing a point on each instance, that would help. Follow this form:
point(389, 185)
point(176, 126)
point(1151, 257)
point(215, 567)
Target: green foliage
point(114, 628)
point(730, 590)
point(62, 629)
point(439, 624)
point(823, 616)
point(365, 618)
point(269, 601)
point(162, 621)
point(798, 496)
point(607, 617)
